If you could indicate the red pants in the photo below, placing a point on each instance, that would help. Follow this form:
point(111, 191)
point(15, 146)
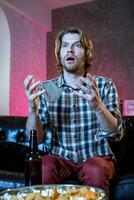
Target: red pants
point(96, 171)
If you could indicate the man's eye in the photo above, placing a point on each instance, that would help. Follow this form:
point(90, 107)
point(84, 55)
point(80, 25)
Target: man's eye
point(78, 45)
point(64, 45)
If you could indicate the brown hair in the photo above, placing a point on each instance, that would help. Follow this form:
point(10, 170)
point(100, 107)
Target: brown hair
point(85, 41)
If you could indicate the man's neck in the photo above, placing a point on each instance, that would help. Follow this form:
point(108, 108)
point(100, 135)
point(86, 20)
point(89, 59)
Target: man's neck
point(71, 78)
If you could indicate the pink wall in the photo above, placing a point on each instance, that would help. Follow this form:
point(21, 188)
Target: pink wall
point(110, 25)
point(28, 45)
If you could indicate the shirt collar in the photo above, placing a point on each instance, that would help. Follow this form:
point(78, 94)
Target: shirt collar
point(60, 81)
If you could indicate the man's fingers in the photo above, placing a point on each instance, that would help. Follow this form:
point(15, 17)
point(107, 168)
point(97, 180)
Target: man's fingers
point(41, 92)
point(92, 79)
point(27, 81)
point(31, 88)
point(34, 85)
point(31, 84)
point(37, 94)
point(88, 97)
point(34, 95)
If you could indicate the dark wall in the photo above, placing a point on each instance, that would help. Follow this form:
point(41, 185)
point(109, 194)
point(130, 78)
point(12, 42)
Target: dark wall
point(110, 25)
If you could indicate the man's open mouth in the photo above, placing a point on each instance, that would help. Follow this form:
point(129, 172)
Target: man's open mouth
point(70, 58)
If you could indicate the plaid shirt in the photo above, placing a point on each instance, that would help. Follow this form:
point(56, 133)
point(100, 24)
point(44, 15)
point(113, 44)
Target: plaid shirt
point(78, 133)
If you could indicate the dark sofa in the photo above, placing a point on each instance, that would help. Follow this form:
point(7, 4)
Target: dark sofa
point(14, 146)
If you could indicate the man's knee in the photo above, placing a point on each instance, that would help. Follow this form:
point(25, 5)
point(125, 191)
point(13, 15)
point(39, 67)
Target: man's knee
point(94, 171)
point(49, 170)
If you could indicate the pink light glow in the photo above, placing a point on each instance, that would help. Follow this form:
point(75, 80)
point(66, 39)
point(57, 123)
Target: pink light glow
point(28, 47)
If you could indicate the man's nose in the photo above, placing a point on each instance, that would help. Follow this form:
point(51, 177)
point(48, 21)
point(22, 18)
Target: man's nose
point(70, 49)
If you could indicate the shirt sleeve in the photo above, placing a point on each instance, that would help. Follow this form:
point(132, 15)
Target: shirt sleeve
point(110, 98)
point(46, 144)
point(42, 107)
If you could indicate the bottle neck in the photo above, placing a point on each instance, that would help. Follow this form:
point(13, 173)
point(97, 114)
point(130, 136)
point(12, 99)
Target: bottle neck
point(33, 141)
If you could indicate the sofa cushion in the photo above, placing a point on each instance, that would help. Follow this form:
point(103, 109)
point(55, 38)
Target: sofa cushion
point(122, 187)
point(12, 156)
point(14, 135)
point(10, 179)
point(2, 134)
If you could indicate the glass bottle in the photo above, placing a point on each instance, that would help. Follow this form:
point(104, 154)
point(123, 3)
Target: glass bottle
point(33, 162)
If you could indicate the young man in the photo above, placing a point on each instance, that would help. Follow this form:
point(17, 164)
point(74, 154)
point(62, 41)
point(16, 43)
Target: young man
point(82, 110)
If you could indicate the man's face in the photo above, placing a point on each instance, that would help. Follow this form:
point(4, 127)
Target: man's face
point(72, 53)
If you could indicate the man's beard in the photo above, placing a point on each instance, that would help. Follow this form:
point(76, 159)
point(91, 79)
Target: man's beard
point(74, 68)
point(71, 69)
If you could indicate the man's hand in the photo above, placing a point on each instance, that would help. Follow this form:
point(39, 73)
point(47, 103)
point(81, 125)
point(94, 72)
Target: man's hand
point(32, 92)
point(91, 94)
point(90, 91)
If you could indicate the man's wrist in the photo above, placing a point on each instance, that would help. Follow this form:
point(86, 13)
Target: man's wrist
point(99, 108)
point(32, 109)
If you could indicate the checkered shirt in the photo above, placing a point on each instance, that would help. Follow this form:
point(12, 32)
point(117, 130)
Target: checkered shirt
point(78, 133)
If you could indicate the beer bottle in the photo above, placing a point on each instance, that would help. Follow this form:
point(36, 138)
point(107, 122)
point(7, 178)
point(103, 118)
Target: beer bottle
point(33, 162)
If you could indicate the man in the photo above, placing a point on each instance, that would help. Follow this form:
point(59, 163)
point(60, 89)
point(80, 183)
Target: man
point(83, 111)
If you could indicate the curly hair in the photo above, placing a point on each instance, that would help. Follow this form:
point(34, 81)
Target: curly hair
point(85, 41)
